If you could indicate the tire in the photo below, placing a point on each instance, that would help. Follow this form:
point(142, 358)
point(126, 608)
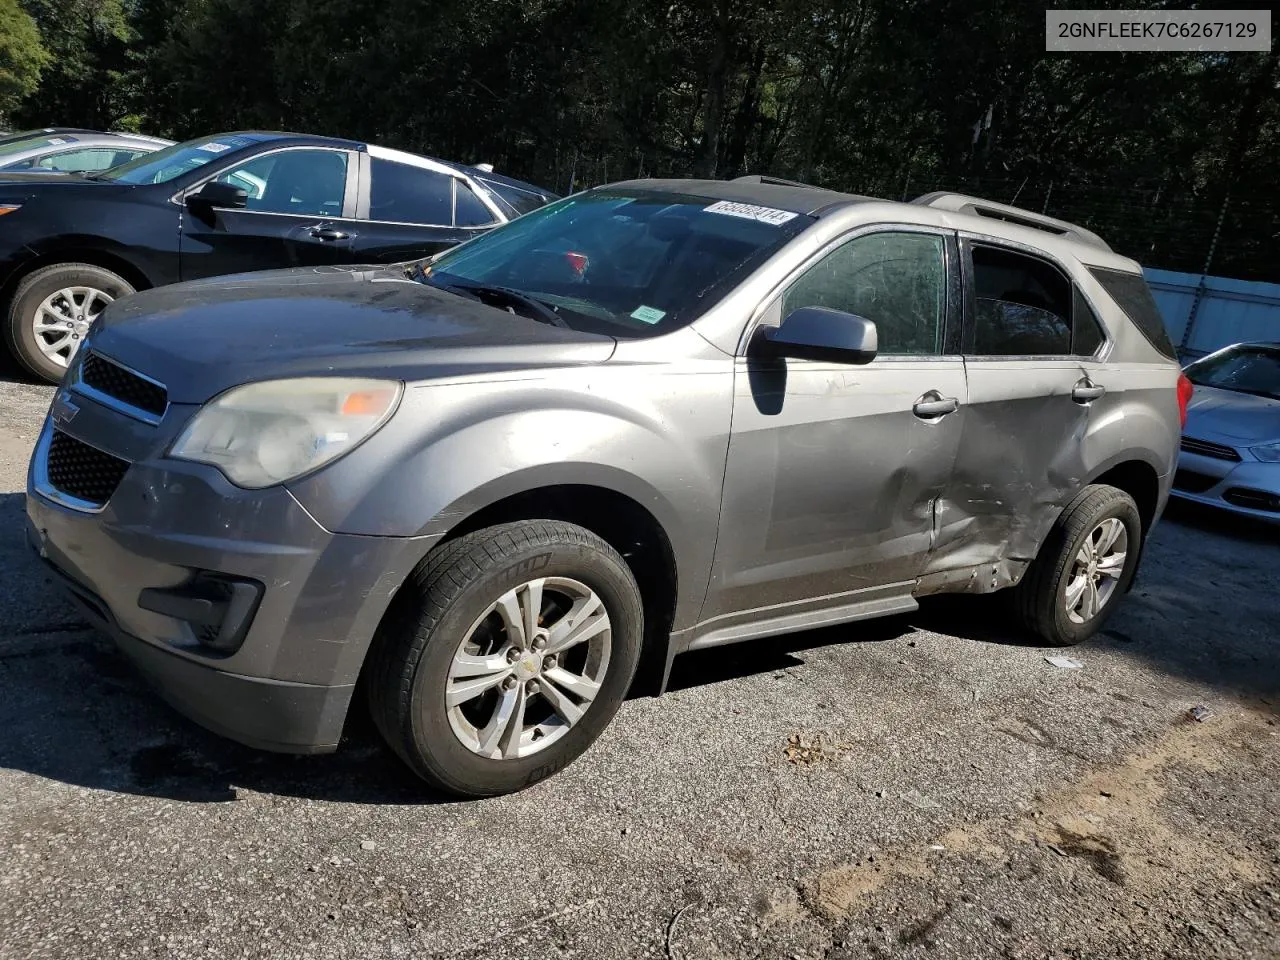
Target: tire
point(20, 334)
point(447, 610)
point(1041, 599)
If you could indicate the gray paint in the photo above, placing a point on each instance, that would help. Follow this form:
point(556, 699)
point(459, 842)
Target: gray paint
point(793, 493)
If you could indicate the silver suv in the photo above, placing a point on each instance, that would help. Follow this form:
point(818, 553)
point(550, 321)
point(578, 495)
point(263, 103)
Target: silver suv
point(486, 489)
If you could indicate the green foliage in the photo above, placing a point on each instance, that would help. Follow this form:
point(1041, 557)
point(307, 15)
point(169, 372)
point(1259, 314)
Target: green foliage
point(87, 80)
point(889, 97)
point(22, 55)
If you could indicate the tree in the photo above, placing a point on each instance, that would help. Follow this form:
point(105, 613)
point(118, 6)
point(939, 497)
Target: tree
point(87, 81)
point(22, 56)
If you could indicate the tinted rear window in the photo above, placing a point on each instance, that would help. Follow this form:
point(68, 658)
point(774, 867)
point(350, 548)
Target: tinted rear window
point(521, 201)
point(1133, 296)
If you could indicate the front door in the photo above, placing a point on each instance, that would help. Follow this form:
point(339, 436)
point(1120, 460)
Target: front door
point(299, 213)
point(833, 469)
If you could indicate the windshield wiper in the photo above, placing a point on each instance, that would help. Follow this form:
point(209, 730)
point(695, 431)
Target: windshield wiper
point(540, 309)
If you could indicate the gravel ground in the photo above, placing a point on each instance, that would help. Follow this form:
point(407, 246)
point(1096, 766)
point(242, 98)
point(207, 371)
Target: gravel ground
point(918, 786)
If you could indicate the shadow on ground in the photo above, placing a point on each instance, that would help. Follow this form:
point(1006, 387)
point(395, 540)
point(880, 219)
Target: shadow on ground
point(74, 710)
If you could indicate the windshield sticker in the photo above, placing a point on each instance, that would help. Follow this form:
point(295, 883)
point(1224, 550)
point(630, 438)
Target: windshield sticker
point(749, 211)
point(648, 314)
point(213, 147)
point(58, 140)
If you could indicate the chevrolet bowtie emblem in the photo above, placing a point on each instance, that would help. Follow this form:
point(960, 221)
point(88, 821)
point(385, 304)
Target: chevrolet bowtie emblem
point(64, 411)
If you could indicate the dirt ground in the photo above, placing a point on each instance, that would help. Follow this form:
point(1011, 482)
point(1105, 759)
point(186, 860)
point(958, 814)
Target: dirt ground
point(919, 786)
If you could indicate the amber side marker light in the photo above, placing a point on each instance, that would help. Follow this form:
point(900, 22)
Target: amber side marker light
point(9, 208)
point(368, 403)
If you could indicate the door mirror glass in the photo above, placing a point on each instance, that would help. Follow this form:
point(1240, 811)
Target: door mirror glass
point(819, 333)
point(218, 194)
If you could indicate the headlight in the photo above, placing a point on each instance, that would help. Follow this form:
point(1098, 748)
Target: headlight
point(266, 433)
point(1268, 452)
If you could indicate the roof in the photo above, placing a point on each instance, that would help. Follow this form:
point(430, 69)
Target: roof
point(252, 137)
point(762, 191)
point(952, 210)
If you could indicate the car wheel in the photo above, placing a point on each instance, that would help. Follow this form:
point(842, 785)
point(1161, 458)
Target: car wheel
point(52, 310)
point(1083, 568)
point(505, 655)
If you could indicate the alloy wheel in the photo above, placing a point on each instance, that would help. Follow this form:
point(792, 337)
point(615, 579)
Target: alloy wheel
point(63, 319)
point(1096, 570)
point(529, 668)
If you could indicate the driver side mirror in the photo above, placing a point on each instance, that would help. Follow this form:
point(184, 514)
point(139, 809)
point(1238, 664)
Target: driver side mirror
point(817, 333)
point(216, 194)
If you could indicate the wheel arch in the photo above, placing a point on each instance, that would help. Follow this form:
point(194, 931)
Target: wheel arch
point(1140, 480)
point(616, 517)
point(97, 257)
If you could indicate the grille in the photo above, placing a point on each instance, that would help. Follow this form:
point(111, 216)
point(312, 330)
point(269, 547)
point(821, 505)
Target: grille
point(123, 385)
point(1193, 482)
point(1253, 499)
point(82, 471)
point(1206, 449)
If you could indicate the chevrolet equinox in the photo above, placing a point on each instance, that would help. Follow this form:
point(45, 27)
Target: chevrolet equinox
point(486, 488)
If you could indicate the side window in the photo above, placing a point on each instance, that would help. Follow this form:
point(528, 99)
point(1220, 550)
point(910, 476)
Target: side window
point(79, 161)
point(400, 193)
point(305, 182)
point(1023, 305)
point(1086, 329)
point(469, 210)
point(896, 280)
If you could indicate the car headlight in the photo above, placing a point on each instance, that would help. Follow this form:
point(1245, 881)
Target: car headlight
point(266, 433)
point(1268, 452)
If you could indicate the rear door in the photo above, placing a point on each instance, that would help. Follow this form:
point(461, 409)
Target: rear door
point(414, 209)
point(300, 212)
point(1032, 342)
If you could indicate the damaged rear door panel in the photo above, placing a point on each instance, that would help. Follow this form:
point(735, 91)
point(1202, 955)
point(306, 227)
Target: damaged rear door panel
point(1036, 391)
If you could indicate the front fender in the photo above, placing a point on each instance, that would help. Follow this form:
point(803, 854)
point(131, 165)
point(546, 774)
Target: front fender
point(455, 448)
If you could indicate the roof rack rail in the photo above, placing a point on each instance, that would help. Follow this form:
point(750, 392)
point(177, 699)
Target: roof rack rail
point(774, 181)
point(976, 206)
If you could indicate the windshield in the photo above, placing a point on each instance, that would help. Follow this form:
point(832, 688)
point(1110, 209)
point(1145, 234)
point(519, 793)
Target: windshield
point(1254, 370)
point(32, 143)
point(171, 162)
point(629, 263)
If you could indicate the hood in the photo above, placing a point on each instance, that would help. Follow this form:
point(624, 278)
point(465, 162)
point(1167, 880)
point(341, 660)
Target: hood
point(204, 337)
point(26, 185)
point(1242, 418)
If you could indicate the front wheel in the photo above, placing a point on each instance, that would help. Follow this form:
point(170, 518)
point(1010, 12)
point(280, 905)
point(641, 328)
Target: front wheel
point(1083, 568)
point(52, 310)
point(507, 653)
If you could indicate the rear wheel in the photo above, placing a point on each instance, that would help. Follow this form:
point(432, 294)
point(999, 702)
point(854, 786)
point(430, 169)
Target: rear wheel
point(1083, 568)
point(51, 312)
point(507, 653)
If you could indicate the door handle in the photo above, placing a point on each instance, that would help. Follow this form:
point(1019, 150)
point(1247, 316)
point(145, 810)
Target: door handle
point(329, 233)
point(1086, 390)
point(933, 404)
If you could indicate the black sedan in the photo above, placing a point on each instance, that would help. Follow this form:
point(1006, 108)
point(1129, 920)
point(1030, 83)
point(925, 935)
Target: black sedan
point(223, 204)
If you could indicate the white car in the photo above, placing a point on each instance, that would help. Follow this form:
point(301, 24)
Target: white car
point(1230, 456)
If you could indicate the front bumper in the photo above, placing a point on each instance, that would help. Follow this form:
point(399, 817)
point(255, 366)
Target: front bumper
point(288, 683)
point(1247, 488)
